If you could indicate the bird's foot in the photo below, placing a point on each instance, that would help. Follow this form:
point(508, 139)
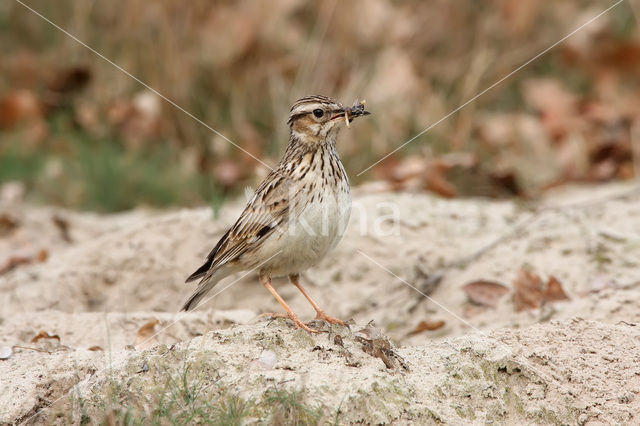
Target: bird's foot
point(293, 317)
point(331, 320)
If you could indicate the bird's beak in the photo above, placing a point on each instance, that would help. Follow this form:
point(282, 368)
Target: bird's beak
point(350, 113)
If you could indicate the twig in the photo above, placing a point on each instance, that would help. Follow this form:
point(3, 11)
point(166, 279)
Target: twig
point(31, 349)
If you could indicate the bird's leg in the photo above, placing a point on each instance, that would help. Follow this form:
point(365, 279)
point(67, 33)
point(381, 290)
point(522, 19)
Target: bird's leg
point(266, 281)
point(319, 312)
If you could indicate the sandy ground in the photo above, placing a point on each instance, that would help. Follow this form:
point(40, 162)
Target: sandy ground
point(110, 283)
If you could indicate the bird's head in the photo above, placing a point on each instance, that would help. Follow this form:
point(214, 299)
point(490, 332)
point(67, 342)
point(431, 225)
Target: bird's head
point(320, 117)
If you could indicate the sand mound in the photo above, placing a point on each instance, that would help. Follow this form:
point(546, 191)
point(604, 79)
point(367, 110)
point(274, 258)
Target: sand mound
point(110, 282)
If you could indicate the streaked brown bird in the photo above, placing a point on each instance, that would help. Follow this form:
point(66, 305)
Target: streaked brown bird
point(298, 213)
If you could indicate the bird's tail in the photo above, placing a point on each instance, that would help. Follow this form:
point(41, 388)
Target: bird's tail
point(206, 284)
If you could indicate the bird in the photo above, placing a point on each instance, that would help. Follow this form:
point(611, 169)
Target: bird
point(297, 214)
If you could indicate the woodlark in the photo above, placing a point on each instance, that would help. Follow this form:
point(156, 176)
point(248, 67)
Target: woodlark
point(298, 213)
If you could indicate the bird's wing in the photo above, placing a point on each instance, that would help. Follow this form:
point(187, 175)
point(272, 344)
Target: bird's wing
point(268, 208)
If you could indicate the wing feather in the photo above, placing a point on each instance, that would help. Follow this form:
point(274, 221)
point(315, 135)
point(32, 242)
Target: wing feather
point(267, 209)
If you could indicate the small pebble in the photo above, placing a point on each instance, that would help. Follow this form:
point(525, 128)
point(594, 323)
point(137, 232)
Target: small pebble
point(5, 352)
point(268, 358)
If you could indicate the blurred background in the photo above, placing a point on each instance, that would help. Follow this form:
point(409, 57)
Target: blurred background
point(77, 132)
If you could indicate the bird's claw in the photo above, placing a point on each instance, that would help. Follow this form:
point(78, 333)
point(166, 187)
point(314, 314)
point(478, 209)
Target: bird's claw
point(331, 320)
point(293, 317)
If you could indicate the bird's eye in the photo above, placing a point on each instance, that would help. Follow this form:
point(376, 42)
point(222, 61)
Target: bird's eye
point(318, 113)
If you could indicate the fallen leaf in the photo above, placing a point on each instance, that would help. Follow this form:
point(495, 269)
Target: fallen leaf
point(408, 173)
point(42, 255)
point(44, 335)
point(146, 335)
point(18, 107)
point(374, 343)
point(18, 260)
point(63, 226)
point(485, 293)
point(426, 326)
point(521, 15)
point(527, 290)
point(436, 181)
point(70, 80)
point(507, 181)
point(471, 310)
point(13, 262)
point(370, 331)
point(386, 168)
point(96, 348)
point(554, 290)
point(621, 56)
point(7, 224)
point(377, 348)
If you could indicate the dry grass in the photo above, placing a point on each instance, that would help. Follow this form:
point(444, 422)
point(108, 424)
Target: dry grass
point(238, 66)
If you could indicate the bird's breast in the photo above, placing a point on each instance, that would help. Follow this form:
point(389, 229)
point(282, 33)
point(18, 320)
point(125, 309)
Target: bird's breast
point(319, 214)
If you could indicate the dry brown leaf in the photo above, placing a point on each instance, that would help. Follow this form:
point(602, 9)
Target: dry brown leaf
point(527, 290)
point(401, 175)
point(13, 262)
point(386, 169)
point(427, 326)
point(621, 56)
point(18, 107)
point(521, 15)
point(471, 310)
point(96, 348)
point(507, 181)
point(379, 347)
point(70, 79)
point(436, 181)
point(63, 226)
point(554, 290)
point(7, 224)
point(44, 335)
point(21, 259)
point(42, 255)
point(409, 168)
point(485, 293)
point(370, 331)
point(146, 335)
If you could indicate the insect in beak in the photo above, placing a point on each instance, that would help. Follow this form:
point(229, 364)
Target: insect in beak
point(350, 113)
